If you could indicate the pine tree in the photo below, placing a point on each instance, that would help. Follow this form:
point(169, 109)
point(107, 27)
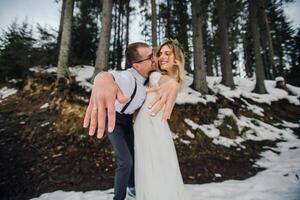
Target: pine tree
point(103, 46)
point(120, 33)
point(153, 23)
point(266, 40)
point(260, 74)
point(208, 33)
point(282, 35)
point(294, 71)
point(200, 83)
point(248, 48)
point(16, 46)
point(226, 67)
point(85, 33)
point(64, 51)
point(44, 51)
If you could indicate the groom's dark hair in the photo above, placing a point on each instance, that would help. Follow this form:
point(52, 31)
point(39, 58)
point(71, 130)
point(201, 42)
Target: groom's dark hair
point(132, 54)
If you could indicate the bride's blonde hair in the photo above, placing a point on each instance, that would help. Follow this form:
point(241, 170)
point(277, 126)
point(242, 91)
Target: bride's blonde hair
point(179, 56)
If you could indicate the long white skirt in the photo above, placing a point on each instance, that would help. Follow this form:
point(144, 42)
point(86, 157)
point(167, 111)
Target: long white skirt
point(157, 173)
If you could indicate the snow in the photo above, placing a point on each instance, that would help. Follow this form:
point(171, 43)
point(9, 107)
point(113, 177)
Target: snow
point(45, 124)
point(293, 89)
point(248, 128)
point(185, 141)
point(254, 108)
point(46, 105)
point(6, 92)
point(190, 134)
point(279, 78)
point(244, 88)
point(210, 130)
point(192, 124)
point(280, 181)
point(82, 74)
point(188, 95)
point(290, 124)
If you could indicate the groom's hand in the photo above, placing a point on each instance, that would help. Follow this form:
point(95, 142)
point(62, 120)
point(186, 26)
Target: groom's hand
point(166, 95)
point(104, 94)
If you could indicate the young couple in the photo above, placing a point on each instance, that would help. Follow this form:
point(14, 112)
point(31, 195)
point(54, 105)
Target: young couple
point(146, 157)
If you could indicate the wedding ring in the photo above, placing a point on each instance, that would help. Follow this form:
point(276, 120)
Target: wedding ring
point(94, 109)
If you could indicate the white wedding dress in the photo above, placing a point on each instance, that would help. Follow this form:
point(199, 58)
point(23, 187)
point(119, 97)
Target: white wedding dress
point(157, 173)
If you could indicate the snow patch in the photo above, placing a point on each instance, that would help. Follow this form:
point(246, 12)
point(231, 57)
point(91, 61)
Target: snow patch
point(6, 92)
point(46, 105)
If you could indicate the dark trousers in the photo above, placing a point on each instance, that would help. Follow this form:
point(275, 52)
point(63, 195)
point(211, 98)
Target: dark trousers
point(122, 140)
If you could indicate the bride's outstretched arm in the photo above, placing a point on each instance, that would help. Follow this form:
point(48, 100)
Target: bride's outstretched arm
point(102, 101)
point(166, 95)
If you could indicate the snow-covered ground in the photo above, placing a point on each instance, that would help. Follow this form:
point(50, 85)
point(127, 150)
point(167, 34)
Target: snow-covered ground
point(6, 92)
point(280, 180)
point(187, 95)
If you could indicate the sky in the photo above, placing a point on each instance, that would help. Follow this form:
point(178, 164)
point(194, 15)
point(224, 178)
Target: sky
point(47, 13)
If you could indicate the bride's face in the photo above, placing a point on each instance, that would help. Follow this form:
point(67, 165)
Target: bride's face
point(166, 58)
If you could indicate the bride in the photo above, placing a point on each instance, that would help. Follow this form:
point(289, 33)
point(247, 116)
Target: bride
point(157, 173)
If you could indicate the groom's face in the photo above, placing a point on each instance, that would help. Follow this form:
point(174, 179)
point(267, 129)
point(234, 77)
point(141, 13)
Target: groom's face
point(146, 63)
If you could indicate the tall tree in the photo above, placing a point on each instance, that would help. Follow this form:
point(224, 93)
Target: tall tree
point(208, 36)
point(85, 33)
point(64, 51)
point(200, 83)
point(175, 23)
point(120, 33)
point(103, 47)
point(61, 22)
point(128, 11)
point(235, 19)
point(266, 40)
point(182, 25)
point(248, 48)
point(282, 34)
point(294, 71)
point(154, 23)
point(226, 67)
point(16, 46)
point(260, 74)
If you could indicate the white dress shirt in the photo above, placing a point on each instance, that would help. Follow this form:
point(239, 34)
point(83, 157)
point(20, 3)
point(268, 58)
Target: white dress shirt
point(126, 82)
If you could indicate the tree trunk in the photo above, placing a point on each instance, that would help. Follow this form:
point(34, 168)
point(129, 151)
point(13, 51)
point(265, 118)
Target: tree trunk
point(127, 23)
point(64, 51)
point(200, 83)
point(247, 54)
point(260, 74)
point(168, 17)
point(266, 38)
point(119, 39)
point(103, 47)
point(61, 21)
point(226, 67)
point(115, 22)
point(154, 23)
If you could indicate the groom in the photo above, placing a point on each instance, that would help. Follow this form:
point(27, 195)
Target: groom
point(120, 85)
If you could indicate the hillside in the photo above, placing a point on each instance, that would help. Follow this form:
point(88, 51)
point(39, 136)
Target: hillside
point(228, 134)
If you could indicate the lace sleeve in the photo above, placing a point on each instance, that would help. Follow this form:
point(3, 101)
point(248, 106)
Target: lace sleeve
point(154, 79)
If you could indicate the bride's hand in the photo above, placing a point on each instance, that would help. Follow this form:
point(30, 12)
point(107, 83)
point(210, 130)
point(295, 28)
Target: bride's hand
point(166, 95)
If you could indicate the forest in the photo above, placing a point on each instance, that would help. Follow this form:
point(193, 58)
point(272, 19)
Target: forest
point(235, 124)
point(220, 38)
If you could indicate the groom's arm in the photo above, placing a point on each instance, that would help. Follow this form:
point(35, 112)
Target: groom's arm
point(166, 95)
point(102, 102)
